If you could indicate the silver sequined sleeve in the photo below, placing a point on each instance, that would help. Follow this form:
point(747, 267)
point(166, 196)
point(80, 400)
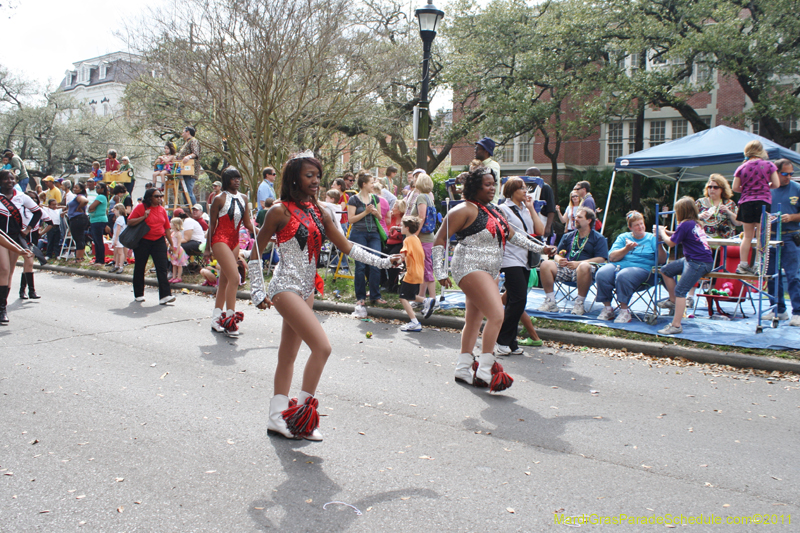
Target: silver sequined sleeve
point(257, 290)
point(439, 268)
point(363, 256)
point(522, 242)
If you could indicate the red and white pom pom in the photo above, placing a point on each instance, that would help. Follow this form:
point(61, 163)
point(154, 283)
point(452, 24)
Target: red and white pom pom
point(303, 419)
point(500, 380)
point(230, 322)
point(476, 381)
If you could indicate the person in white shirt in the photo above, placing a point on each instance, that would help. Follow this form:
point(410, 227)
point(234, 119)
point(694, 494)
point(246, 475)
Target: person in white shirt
point(54, 235)
point(193, 235)
point(120, 253)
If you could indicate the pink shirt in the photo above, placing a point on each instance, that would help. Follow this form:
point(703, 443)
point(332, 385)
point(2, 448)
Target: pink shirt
point(754, 178)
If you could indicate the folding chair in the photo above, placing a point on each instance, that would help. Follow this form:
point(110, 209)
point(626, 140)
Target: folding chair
point(67, 242)
point(567, 292)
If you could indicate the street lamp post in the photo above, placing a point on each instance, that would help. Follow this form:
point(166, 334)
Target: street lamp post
point(428, 17)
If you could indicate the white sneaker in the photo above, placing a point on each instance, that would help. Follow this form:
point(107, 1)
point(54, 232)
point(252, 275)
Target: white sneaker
point(624, 316)
point(795, 321)
point(771, 315)
point(166, 299)
point(139, 298)
point(549, 306)
point(360, 311)
point(501, 349)
point(670, 330)
point(606, 314)
point(666, 304)
point(578, 309)
point(427, 307)
point(411, 326)
point(415, 305)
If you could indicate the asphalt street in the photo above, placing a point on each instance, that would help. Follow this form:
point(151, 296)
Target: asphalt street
point(124, 416)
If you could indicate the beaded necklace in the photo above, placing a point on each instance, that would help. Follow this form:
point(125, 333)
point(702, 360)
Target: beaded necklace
point(577, 246)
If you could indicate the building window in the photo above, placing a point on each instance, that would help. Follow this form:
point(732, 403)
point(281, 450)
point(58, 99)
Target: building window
point(680, 128)
point(631, 137)
point(614, 142)
point(658, 132)
point(106, 109)
point(755, 127)
point(507, 154)
point(525, 148)
point(706, 121)
point(103, 71)
point(83, 75)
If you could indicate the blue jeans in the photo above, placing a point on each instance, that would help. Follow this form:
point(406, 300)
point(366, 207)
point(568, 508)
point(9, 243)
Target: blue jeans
point(54, 242)
point(625, 281)
point(189, 182)
point(23, 184)
point(690, 271)
point(790, 261)
point(129, 186)
point(371, 240)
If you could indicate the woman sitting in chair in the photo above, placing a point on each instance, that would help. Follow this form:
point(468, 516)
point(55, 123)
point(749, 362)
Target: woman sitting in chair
point(630, 265)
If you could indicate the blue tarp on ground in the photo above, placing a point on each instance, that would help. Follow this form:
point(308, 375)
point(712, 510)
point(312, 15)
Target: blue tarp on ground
point(737, 332)
point(715, 150)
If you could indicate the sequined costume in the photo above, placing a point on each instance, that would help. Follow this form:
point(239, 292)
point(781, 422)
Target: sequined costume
point(229, 220)
point(298, 247)
point(480, 246)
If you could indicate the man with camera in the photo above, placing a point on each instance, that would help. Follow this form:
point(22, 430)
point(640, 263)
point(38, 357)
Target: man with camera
point(788, 196)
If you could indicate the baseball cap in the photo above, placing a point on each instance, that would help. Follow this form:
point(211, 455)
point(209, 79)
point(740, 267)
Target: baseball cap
point(198, 207)
point(49, 178)
point(217, 183)
point(178, 212)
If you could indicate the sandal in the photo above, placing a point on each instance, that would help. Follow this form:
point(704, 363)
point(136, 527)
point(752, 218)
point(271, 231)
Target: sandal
point(379, 302)
point(530, 342)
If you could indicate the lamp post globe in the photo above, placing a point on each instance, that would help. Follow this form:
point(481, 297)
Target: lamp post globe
point(428, 18)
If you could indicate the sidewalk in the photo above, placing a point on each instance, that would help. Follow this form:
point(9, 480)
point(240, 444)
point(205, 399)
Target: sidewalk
point(655, 349)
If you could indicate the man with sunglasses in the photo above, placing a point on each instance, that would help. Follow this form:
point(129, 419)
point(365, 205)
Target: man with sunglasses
point(788, 196)
point(267, 187)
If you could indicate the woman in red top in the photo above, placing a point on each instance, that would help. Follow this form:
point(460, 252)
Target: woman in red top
point(300, 227)
point(154, 244)
point(228, 212)
point(112, 163)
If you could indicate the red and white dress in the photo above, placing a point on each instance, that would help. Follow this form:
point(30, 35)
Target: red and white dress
point(230, 220)
point(299, 243)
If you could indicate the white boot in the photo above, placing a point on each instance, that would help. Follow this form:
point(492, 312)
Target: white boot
point(277, 405)
point(484, 371)
point(216, 316)
point(464, 368)
point(316, 435)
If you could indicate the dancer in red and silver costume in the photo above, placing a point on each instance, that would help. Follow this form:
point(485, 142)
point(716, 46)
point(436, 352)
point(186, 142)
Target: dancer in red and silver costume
point(228, 212)
point(300, 227)
point(482, 233)
point(12, 203)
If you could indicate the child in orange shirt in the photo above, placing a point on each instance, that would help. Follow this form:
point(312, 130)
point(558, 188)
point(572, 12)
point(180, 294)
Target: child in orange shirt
point(414, 257)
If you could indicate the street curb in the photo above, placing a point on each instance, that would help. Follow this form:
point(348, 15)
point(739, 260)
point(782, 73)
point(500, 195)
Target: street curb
point(656, 349)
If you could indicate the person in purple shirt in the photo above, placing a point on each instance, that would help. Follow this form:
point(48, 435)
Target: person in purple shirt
point(697, 260)
point(753, 179)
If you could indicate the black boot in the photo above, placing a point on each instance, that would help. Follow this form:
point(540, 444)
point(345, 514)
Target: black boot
point(22, 283)
point(31, 289)
point(3, 302)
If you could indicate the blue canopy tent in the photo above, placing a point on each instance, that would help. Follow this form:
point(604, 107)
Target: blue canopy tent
point(692, 158)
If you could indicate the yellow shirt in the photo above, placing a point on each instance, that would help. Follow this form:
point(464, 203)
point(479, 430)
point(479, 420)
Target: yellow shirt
point(53, 194)
point(415, 259)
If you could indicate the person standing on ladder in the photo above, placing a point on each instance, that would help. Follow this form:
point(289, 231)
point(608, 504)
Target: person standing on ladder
point(190, 153)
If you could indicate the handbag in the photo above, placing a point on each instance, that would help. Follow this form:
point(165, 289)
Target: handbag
point(132, 235)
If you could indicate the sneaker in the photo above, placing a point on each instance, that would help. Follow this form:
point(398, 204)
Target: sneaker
point(745, 269)
point(670, 330)
point(606, 314)
point(360, 311)
point(139, 298)
point(111, 267)
point(578, 309)
point(771, 315)
point(411, 326)
point(690, 302)
point(666, 304)
point(500, 349)
point(549, 306)
point(416, 305)
point(166, 299)
point(427, 307)
point(624, 316)
point(120, 270)
point(795, 321)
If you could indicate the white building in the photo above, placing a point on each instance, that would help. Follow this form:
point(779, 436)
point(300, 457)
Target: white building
point(100, 82)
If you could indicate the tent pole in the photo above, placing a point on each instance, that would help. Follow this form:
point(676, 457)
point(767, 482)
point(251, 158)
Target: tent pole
point(675, 201)
point(608, 201)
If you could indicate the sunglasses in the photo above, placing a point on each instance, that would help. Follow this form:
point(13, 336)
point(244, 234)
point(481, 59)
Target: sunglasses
point(787, 173)
point(713, 187)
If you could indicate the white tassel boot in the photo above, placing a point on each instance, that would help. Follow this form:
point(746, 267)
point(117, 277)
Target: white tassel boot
point(464, 368)
point(315, 435)
point(491, 373)
point(277, 405)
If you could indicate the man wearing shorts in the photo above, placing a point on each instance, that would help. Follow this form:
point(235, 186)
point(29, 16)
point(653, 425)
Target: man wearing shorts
point(576, 253)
